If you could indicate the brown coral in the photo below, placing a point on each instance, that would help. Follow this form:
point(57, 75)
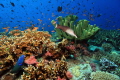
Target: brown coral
point(32, 42)
point(46, 70)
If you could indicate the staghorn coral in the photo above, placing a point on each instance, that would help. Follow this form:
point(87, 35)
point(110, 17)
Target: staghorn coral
point(46, 70)
point(100, 75)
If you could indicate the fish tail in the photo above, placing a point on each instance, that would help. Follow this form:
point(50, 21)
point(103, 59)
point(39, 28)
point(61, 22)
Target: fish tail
point(76, 36)
point(56, 26)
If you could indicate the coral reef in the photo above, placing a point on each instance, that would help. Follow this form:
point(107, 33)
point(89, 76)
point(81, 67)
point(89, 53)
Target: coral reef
point(79, 71)
point(107, 65)
point(82, 49)
point(106, 36)
point(114, 57)
point(97, 55)
point(107, 47)
point(15, 33)
point(31, 43)
point(46, 70)
point(82, 28)
point(32, 55)
point(8, 77)
point(99, 75)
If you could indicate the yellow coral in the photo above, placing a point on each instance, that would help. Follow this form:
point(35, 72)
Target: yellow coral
point(76, 71)
point(99, 75)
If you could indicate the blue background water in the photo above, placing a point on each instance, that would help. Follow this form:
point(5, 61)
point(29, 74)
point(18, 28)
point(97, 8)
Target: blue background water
point(24, 13)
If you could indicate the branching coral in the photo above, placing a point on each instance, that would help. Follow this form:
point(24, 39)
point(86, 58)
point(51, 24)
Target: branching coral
point(35, 43)
point(32, 42)
point(46, 70)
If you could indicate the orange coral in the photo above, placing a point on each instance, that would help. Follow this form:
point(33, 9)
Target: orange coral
point(32, 42)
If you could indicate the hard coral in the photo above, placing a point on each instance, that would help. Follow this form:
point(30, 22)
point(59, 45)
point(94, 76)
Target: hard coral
point(60, 50)
point(33, 42)
point(70, 47)
point(107, 47)
point(50, 70)
point(100, 75)
point(107, 65)
point(106, 36)
point(82, 49)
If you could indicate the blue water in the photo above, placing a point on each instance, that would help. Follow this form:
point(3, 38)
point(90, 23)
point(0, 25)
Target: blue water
point(24, 13)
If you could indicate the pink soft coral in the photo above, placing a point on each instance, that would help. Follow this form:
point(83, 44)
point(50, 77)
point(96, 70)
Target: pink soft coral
point(70, 47)
point(58, 78)
point(69, 75)
point(48, 53)
point(31, 60)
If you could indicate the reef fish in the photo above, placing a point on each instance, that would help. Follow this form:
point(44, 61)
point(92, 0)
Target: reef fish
point(59, 8)
point(18, 65)
point(66, 29)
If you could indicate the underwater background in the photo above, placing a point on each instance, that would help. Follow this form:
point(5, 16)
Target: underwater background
point(59, 40)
